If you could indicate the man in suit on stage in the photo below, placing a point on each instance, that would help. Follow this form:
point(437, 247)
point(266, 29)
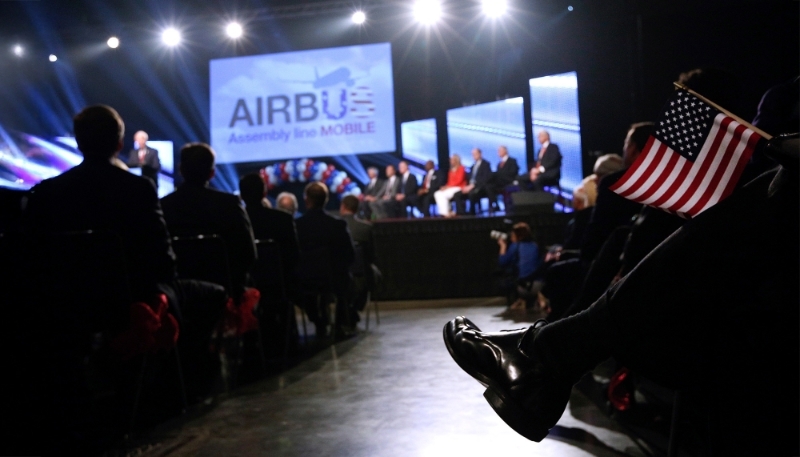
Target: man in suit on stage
point(196, 209)
point(408, 190)
point(144, 157)
point(386, 201)
point(430, 183)
point(506, 173)
point(371, 192)
point(547, 171)
point(477, 183)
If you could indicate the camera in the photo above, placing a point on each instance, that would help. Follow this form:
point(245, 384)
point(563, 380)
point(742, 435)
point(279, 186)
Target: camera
point(498, 235)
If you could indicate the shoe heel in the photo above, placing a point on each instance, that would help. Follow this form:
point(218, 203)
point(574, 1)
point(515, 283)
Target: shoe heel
point(515, 417)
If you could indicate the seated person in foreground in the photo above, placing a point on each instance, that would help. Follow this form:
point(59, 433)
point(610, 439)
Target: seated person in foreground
point(520, 259)
point(270, 223)
point(287, 202)
point(477, 183)
point(432, 181)
point(318, 230)
point(361, 232)
point(196, 209)
point(456, 180)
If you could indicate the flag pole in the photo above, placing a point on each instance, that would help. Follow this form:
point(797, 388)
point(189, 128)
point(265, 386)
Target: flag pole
point(738, 119)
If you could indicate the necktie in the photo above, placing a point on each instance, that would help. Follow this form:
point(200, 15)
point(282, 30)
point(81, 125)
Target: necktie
point(428, 181)
point(502, 163)
point(142, 152)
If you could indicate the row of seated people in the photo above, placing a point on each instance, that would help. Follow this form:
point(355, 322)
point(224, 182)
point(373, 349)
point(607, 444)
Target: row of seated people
point(390, 197)
point(98, 195)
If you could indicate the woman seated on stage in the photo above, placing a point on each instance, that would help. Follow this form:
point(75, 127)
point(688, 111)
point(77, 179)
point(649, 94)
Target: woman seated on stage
point(456, 180)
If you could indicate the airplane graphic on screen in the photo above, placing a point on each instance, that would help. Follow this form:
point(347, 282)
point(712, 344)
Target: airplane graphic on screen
point(338, 76)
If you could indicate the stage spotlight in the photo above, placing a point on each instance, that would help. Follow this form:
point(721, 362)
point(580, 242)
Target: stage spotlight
point(494, 8)
point(113, 42)
point(53, 58)
point(427, 12)
point(234, 30)
point(17, 50)
point(569, 8)
point(359, 17)
point(171, 37)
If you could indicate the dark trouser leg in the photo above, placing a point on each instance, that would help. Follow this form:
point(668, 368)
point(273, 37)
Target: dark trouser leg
point(424, 204)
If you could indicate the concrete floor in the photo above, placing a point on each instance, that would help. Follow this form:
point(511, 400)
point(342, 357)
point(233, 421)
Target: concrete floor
point(391, 391)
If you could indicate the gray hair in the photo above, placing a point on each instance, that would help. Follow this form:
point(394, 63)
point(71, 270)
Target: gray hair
point(607, 164)
point(289, 209)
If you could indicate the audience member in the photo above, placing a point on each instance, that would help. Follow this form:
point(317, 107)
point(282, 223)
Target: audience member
point(385, 202)
point(268, 223)
point(361, 233)
point(144, 157)
point(432, 181)
point(287, 202)
point(504, 176)
point(456, 180)
point(196, 209)
point(373, 189)
point(318, 231)
point(519, 260)
point(477, 184)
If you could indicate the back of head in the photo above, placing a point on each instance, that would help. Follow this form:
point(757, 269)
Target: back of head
point(522, 231)
point(98, 131)
point(316, 195)
point(251, 188)
point(640, 133)
point(720, 86)
point(287, 202)
point(197, 163)
point(607, 164)
point(350, 203)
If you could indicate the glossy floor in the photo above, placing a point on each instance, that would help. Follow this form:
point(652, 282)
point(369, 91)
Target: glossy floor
point(391, 391)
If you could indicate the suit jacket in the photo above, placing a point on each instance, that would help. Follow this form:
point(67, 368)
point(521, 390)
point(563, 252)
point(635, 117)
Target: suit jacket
point(482, 174)
point(316, 229)
point(277, 225)
point(610, 211)
point(410, 188)
point(96, 195)
point(199, 210)
point(361, 233)
point(389, 189)
point(507, 173)
point(150, 166)
point(438, 179)
point(375, 190)
point(551, 161)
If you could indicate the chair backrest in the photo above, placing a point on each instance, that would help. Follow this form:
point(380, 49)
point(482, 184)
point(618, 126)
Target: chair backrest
point(203, 257)
point(360, 265)
point(267, 272)
point(314, 267)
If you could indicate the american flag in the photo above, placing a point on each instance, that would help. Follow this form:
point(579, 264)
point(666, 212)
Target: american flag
point(692, 161)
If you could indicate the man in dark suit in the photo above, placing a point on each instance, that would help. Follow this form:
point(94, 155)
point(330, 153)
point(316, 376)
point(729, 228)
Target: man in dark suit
point(144, 157)
point(268, 223)
point(547, 171)
point(317, 230)
point(371, 192)
point(363, 269)
point(195, 209)
point(506, 173)
point(432, 181)
point(477, 183)
point(408, 189)
point(386, 202)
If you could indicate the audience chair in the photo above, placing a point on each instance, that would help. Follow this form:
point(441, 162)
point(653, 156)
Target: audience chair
point(364, 271)
point(270, 279)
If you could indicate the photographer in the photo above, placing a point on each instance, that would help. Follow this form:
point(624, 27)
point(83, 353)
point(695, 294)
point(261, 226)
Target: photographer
point(519, 260)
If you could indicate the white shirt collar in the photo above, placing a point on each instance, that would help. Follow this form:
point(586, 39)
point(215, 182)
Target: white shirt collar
point(545, 144)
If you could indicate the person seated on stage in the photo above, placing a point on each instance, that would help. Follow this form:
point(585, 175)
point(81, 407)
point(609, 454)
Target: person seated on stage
point(519, 260)
point(271, 224)
point(456, 180)
point(317, 230)
point(373, 189)
point(408, 189)
point(432, 181)
point(287, 202)
point(361, 232)
point(477, 184)
point(530, 372)
point(385, 203)
point(504, 176)
point(196, 209)
point(547, 171)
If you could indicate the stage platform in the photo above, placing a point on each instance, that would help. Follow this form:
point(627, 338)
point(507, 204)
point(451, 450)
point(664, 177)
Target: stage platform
point(449, 258)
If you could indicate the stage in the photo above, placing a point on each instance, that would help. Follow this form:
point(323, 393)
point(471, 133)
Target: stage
point(449, 258)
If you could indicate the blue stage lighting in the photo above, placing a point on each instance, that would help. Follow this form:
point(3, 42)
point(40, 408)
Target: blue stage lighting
point(569, 8)
point(359, 17)
point(113, 42)
point(234, 30)
point(52, 58)
point(18, 50)
point(171, 36)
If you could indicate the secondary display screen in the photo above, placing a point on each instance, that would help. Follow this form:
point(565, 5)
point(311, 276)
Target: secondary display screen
point(487, 126)
point(554, 107)
point(322, 102)
point(419, 141)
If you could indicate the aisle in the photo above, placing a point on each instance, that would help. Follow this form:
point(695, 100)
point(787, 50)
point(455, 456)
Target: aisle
point(393, 391)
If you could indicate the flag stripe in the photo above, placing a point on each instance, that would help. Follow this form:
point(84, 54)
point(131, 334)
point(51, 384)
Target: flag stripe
point(669, 181)
point(647, 168)
point(713, 179)
point(634, 171)
point(734, 170)
point(656, 181)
